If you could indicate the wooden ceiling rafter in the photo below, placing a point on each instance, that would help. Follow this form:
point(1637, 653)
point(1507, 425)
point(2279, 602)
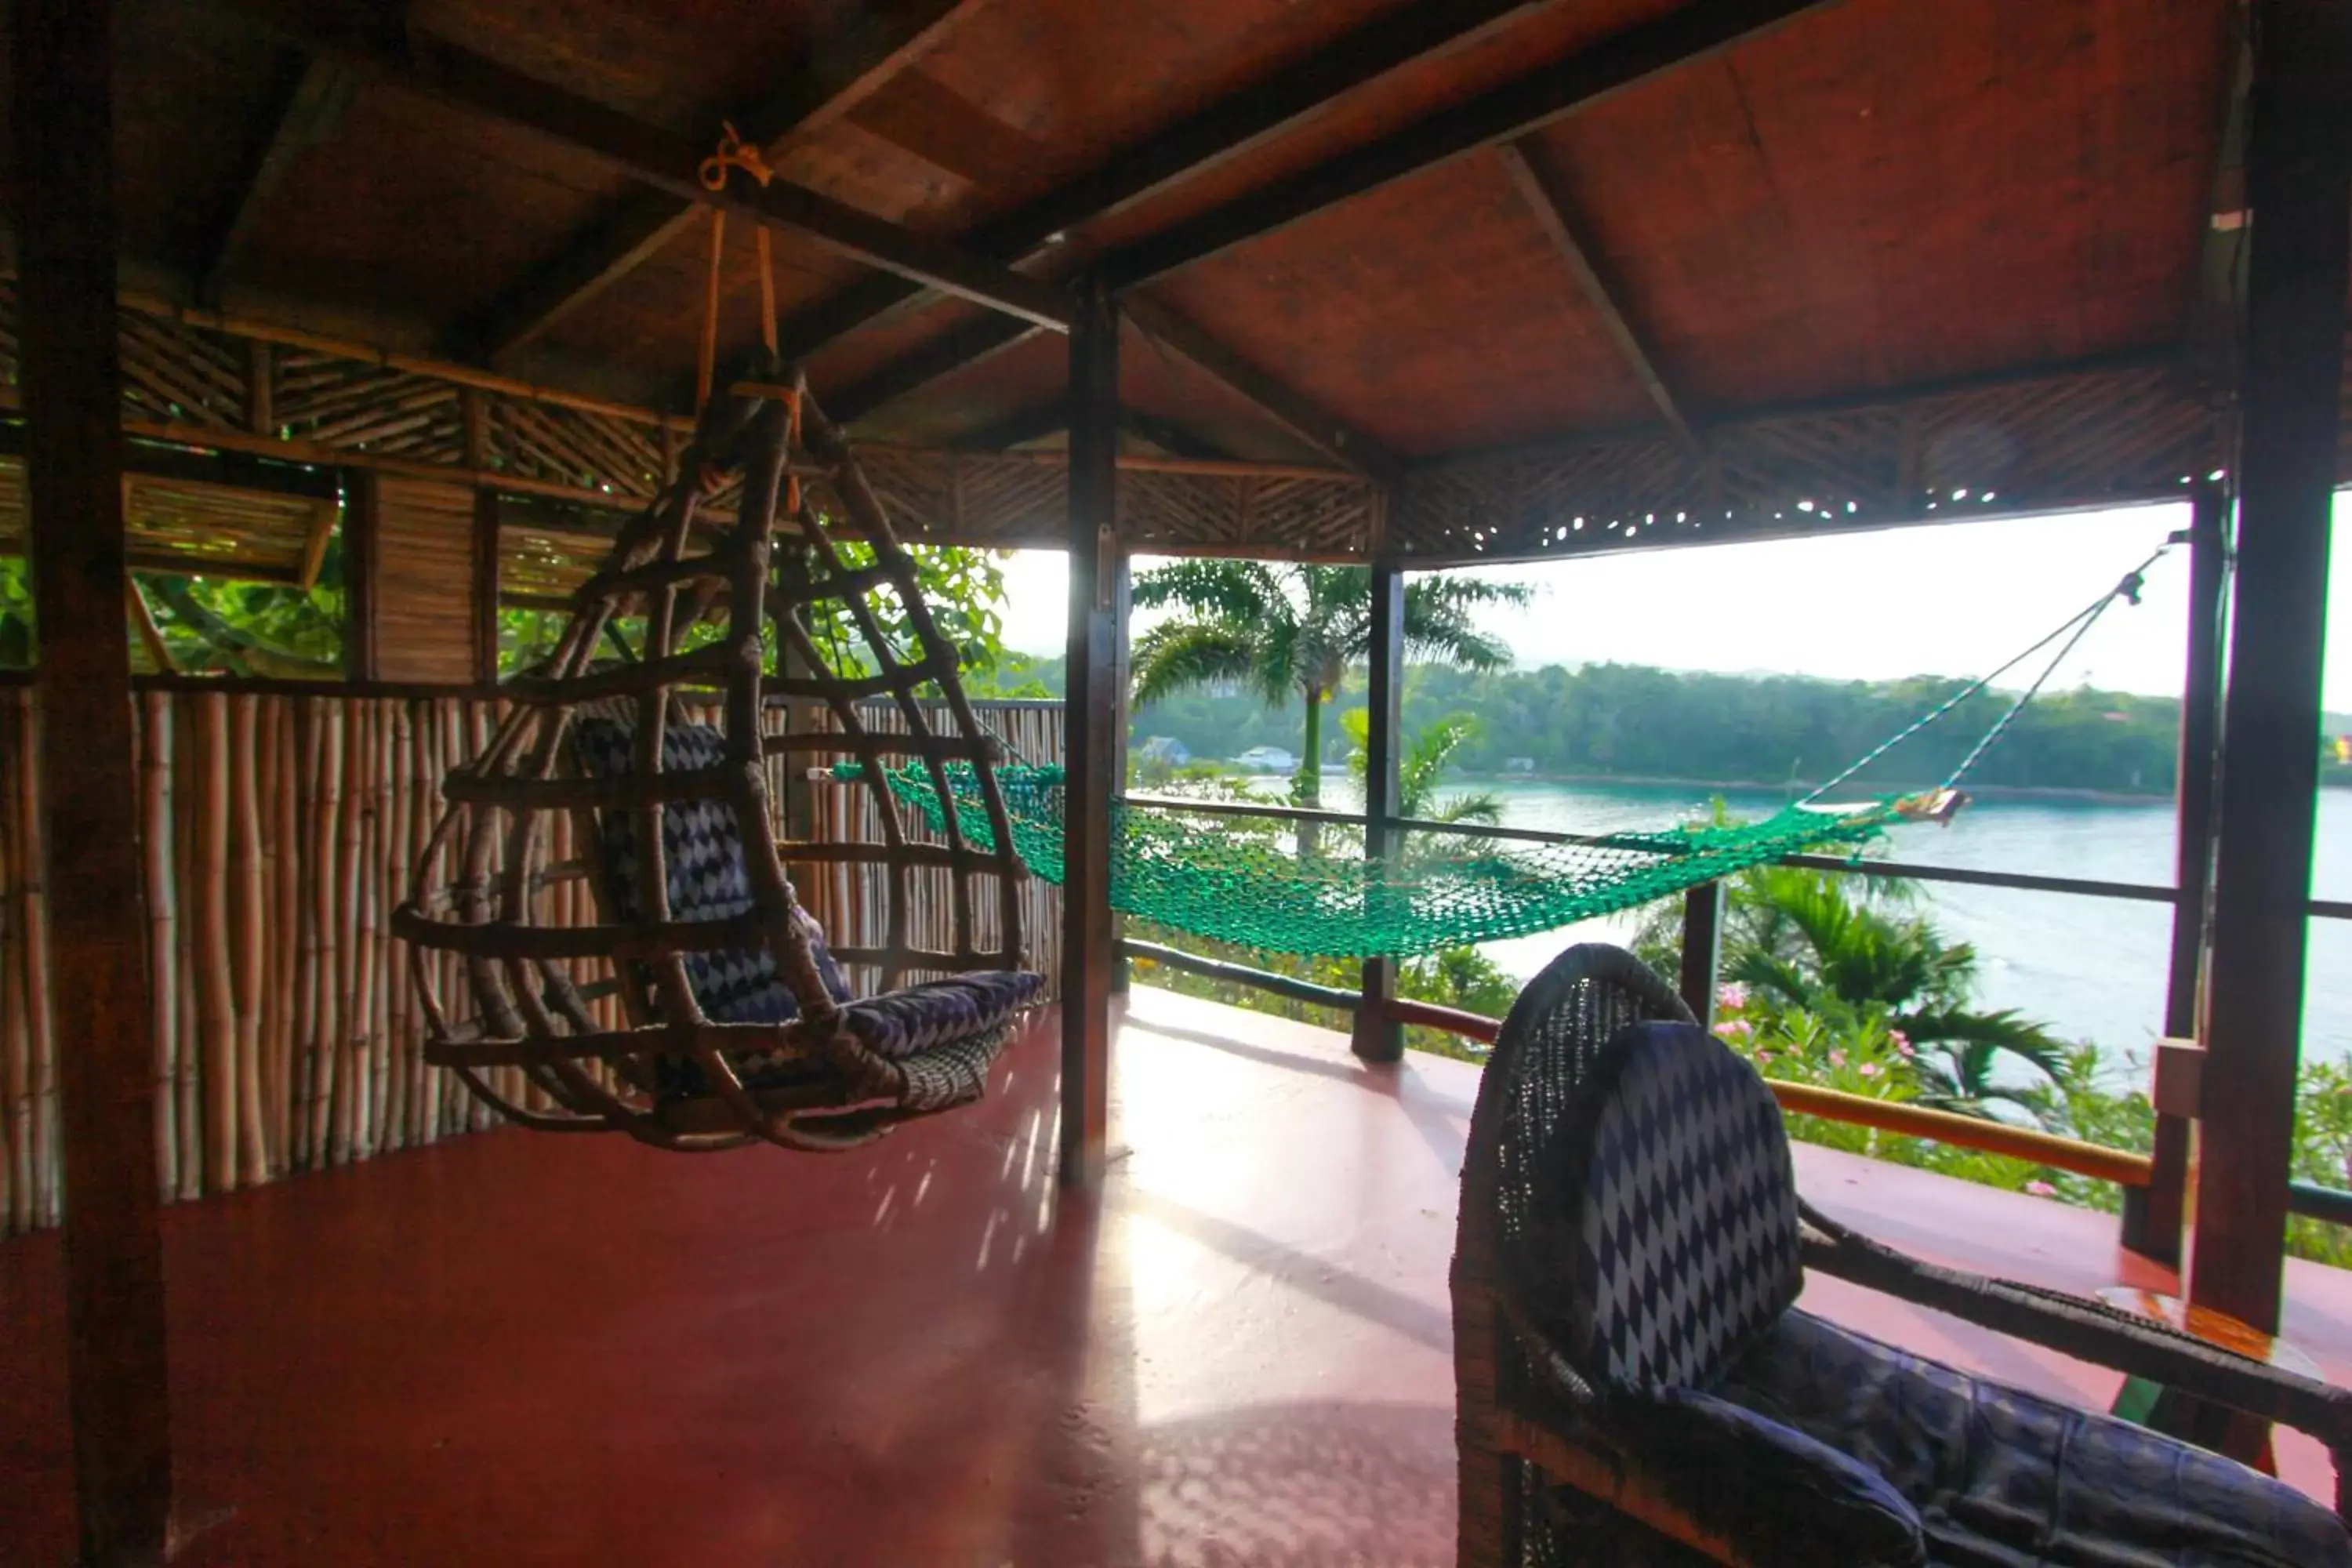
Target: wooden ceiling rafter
point(1293, 410)
point(308, 117)
point(1294, 96)
point(1694, 31)
point(1020, 427)
point(374, 40)
point(1550, 207)
point(2210, 332)
point(820, 86)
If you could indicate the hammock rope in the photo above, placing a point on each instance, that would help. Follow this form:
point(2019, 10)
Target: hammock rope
point(1242, 880)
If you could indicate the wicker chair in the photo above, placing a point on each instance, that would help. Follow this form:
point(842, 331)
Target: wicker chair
point(738, 1025)
point(1635, 1384)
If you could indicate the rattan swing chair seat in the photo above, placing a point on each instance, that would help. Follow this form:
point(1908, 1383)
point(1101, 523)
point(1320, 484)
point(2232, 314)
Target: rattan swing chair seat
point(738, 1027)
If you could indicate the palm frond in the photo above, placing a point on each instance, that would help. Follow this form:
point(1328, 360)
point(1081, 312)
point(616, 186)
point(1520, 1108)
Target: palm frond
point(1246, 591)
point(1178, 656)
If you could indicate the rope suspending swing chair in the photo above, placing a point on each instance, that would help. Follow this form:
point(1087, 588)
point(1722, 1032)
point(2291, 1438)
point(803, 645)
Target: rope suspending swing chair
point(1203, 874)
point(739, 1028)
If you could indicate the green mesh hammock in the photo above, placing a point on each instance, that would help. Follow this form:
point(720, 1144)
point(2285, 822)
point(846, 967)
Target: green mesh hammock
point(1245, 881)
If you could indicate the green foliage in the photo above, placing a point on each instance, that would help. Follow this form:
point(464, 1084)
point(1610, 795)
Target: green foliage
point(209, 623)
point(1286, 631)
point(963, 589)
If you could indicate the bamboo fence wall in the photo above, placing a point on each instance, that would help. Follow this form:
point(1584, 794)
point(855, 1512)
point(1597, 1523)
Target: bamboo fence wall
point(280, 832)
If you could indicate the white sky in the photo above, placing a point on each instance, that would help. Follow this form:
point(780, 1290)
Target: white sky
point(1955, 600)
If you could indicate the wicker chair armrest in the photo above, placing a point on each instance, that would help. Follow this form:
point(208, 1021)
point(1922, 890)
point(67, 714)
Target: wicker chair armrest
point(2087, 1330)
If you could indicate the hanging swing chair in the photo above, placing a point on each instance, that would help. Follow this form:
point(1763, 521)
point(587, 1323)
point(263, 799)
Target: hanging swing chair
point(737, 1026)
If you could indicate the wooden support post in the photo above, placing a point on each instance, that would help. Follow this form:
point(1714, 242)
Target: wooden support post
point(1379, 1037)
point(360, 493)
point(1122, 682)
point(2299, 186)
point(1090, 709)
point(61, 73)
point(1702, 949)
point(2153, 1214)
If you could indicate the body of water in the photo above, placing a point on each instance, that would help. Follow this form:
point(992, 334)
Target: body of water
point(2094, 969)
point(2091, 968)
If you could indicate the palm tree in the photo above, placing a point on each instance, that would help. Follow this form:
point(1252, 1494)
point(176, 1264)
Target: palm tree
point(1422, 766)
point(1290, 631)
point(1797, 939)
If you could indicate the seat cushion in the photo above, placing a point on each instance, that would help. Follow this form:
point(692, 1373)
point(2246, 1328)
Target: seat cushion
point(2003, 1479)
point(903, 1024)
point(707, 876)
point(1677, 1244)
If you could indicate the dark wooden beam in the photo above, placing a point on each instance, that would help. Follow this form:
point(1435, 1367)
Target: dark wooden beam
point(1378, 1036)
point(1171, 437)
point(964, 345)
point(1290, 409)
point(2210, 335)
point(485, 606)
point(1020, 427)
point(1088, 945)
point(309, 116)
point(1702, 954)
point(370, 38)
point(2153, 1214)
point(62, 80)
point(1548, 203)
point(2299, 187)
point(825, 81)
point(1690, 32)
point(1297, 94)
point(361, 507)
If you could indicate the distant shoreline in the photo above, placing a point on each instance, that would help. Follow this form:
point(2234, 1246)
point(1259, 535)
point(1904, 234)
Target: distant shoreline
point(1792, 787)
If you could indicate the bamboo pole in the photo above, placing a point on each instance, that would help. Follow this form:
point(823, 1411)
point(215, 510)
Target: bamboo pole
point(400, 1041)
point(216, 996)
point(164, 937)
point(326, 795)
point(16, 1018)
point(285, 925)
point(372, 1044)
point(42, 1131)
point(431, 748)
point(350, 1083)
point(246, 913)
point(186, 1087)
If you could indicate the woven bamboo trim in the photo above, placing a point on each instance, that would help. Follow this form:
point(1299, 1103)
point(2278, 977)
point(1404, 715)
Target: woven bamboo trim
point(2102, 438)
point(475, 893)
point(2093, 438)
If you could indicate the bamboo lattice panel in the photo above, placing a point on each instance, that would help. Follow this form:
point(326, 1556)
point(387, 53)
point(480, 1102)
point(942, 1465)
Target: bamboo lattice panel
point(2109, 438)
point(279, 833)
point(187, 525)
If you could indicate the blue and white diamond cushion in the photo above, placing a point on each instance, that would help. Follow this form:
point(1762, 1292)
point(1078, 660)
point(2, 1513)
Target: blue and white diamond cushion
point(707, 876)
point(1682, 1210)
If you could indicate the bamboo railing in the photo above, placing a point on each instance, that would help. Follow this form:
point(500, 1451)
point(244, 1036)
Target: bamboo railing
point(280, 832)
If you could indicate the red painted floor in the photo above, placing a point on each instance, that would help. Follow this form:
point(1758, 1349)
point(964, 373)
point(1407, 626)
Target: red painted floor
point(527, 1349)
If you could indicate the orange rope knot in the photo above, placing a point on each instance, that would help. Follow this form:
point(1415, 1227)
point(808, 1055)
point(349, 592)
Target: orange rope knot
point(733, 153)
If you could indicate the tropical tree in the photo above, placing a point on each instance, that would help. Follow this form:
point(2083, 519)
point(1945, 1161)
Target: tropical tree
point(1422, 768)
point(1287, 632)
point(1796, 941)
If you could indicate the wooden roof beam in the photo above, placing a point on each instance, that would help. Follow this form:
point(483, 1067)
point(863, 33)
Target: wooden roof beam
point(1292, 96)
point(1694, 31)
point(1050, 417)
point(2210, 332)
point(1287, 406)
point(820, 86)
point(1020, 427)
point(1551, 209)
point(371, 38)
point(308, 117)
